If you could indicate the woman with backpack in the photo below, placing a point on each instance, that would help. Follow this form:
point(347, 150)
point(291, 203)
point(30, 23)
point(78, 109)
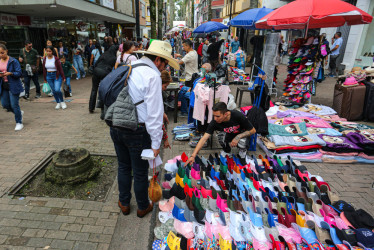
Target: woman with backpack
point(126, 56)
point(103, 67)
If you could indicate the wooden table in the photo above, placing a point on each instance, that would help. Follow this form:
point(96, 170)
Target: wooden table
point(170, 89)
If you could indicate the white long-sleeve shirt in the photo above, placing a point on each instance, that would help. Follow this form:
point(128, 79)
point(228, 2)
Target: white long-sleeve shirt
point(145, 84)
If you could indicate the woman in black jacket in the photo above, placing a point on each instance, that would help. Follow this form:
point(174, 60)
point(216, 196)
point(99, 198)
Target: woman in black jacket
point(103, 67)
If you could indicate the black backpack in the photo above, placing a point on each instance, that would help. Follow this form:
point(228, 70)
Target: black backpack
point(114, 82)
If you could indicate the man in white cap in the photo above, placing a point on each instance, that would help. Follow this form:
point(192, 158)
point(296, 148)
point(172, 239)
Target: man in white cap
point(144, 85)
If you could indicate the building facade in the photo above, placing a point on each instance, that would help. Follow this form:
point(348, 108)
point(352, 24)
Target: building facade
point(62, 20)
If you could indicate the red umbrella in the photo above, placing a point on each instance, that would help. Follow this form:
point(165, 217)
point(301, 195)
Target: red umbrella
point(313, 14)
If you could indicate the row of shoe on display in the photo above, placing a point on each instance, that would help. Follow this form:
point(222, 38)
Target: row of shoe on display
point(303, 55)
point(227, 202)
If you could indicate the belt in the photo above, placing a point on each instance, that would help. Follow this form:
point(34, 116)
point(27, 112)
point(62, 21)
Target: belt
point(51, 71)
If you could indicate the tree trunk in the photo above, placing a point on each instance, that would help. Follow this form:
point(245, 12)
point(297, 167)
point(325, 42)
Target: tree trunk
point(209, 10)
point(159, 19)
point(192, 14)
point(171, 14)
point(152, 6)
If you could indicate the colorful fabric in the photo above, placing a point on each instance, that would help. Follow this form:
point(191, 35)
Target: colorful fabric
point(288, 130)
point(297, 140)
point(315, 123)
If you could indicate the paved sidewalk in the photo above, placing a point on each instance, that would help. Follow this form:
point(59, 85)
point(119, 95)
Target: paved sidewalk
point(60, 223)
point(70, 224)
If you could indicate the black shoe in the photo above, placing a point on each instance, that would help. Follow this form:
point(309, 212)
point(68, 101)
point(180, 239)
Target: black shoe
point(26, 97)
point(38, 96)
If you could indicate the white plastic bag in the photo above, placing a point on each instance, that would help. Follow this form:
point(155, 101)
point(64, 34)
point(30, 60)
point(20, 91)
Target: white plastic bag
point(231, 105)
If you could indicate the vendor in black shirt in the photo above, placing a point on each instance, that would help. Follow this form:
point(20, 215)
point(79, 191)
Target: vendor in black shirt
point(233, 126)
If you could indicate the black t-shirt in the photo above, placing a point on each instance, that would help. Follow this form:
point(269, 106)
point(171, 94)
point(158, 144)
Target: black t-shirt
point(237, 124)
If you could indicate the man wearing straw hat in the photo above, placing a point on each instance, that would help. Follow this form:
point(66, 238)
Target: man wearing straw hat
point(144, 85)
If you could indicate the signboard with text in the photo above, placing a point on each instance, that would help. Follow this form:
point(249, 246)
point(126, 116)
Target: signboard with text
point(107, 3)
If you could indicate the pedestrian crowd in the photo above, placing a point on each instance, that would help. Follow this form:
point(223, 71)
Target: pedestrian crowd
point(57, 64)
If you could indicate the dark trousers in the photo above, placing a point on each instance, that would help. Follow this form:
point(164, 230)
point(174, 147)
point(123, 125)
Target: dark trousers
point(332, 64)
point(129, 146)
point(95, 86)
point(27, 79)
point(199, 60)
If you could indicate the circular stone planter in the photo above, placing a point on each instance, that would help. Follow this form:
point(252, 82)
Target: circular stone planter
point(70, 166)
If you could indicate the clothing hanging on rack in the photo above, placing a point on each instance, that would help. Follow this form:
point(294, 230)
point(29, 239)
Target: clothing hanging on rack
point(204, 96)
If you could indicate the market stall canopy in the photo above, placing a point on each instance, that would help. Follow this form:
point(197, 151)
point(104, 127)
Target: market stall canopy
point(209, 27)
point(203, 35)
point(175, 29)
point(248, 18)
point(314, 14)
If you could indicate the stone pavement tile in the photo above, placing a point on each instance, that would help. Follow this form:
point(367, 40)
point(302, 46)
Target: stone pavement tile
point(108, 230)
point(85, 246)
point(82, 213)
point(3, 239)
point(98, 214)
point(71, 227)
point(86, 221)
point(73, 205)
point(66, 219)
point(106, 222)
point(103, 238)
point(103, 246)
point(29, 223)
point(21, 208)
point(62, 244)
point(59, 211)
point(39, 242)
point(78, 236)
point(56, 234)
point(113, 209)
point(38, 203)
point(30, 232)
point(10, 247)
point(50, 225)
point(40, 210)
point(7, 214)
point(9, 222)
point(92, 229)
point(59, 204)
point(15, 231)
point(93, 206)
point(17, 241)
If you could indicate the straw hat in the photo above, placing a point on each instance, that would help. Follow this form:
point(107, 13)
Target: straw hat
point(162, 49)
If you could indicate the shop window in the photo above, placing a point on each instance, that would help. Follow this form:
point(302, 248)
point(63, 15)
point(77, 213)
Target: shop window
point(143, 10)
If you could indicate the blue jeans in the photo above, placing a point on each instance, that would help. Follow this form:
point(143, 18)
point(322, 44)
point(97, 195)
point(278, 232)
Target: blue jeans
point(184, 97)
point(11, 103)
point(27, 80)
point(55, 86)
point(67, 83)
point(78, 65)
point(129, 146)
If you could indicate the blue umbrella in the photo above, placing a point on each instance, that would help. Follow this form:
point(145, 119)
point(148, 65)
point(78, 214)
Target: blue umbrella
point(248, 18)
point(209, 27)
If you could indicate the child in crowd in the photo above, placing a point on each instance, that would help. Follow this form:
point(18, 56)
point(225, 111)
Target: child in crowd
point(67, 66)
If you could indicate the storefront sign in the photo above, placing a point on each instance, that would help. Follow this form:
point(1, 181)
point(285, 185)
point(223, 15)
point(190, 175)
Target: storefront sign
point(8, 19)
point(107, 3)
point(24, 20)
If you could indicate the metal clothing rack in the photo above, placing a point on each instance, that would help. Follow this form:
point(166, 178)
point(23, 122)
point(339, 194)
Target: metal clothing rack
point(257, 101)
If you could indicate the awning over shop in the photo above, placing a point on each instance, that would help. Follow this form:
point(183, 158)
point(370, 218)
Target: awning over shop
point(64, 9)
